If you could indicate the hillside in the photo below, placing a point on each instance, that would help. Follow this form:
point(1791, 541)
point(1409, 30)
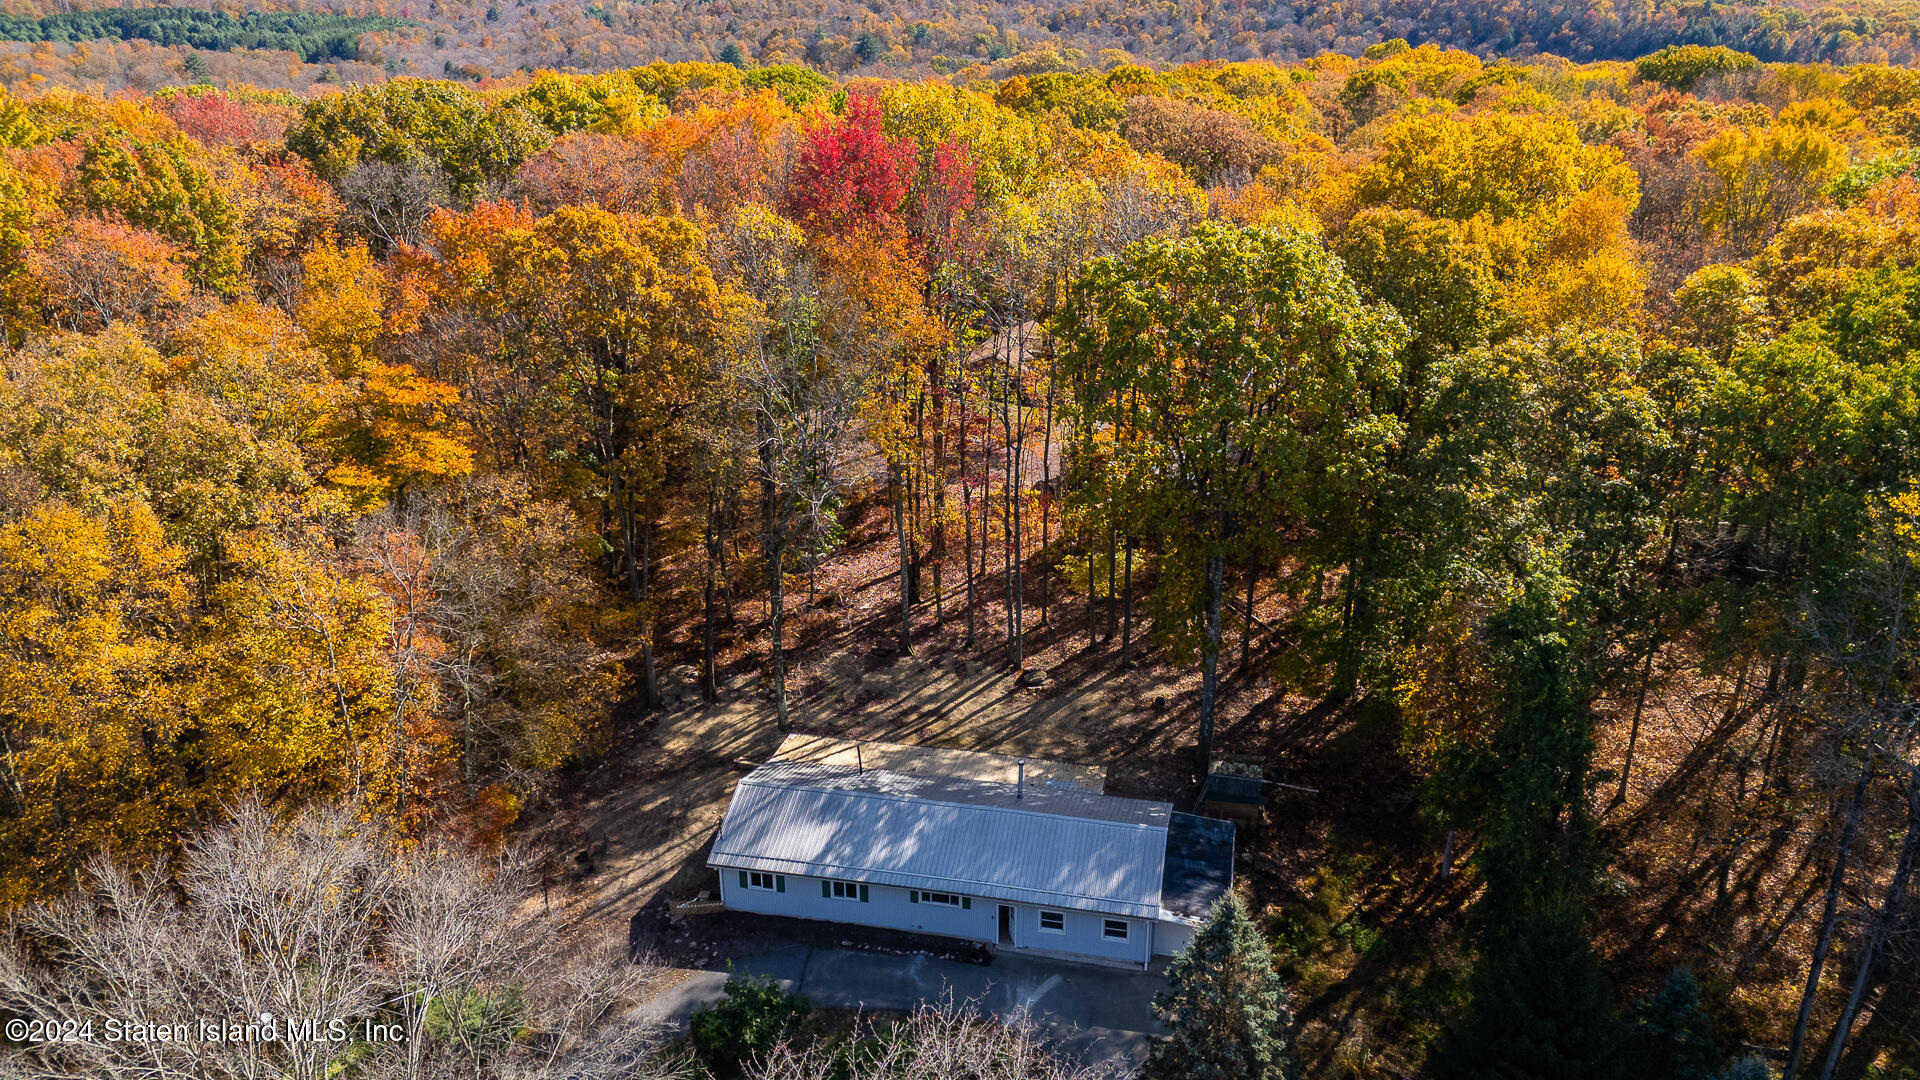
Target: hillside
point(492, 38)
point(422, 500)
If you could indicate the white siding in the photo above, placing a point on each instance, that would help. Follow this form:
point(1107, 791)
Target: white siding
point(885, 905)
point(1084, 933)
point(1171, 937)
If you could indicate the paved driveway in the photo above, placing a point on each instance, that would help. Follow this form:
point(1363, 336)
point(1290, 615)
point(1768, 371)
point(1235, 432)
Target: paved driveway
point(1094, 1013)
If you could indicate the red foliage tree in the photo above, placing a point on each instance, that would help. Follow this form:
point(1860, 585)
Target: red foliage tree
point(942, 207)
point(212, 119)
point(850, 176)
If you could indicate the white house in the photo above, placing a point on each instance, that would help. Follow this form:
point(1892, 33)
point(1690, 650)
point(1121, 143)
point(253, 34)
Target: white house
point(1025, 866)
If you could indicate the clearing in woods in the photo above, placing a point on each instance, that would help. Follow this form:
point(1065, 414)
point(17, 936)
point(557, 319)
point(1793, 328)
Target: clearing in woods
point(1346, 875)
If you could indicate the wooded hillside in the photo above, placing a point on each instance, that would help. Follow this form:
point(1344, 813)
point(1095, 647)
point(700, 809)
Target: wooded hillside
point(383, 446)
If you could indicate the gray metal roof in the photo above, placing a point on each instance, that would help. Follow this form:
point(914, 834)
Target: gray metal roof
point(1053, 846)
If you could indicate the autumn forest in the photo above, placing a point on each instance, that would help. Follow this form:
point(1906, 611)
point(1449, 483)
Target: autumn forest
point(1539, 438)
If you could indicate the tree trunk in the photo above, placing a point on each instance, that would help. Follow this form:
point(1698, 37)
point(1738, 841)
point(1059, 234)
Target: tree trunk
point(1210, 659)
point(1633, 729)
point(916, 482)
point(1246, 631)
point(1828, 912)
point(1126, 611)
point(1882, 925)
point(1006, 492)
point(1016, 605)
point(1046, 483)
point(1093, 602)
point(709, 679)
point(940, 504)
point(639, 580)
point(966, 514)
point(646, 602)
point(776, 550)
point(966, 507)
point(777, 604)
point(906, 561)
point(1113, 572)
point(727, 531)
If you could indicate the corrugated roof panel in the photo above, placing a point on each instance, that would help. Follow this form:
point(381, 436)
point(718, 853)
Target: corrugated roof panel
point(1051, 846)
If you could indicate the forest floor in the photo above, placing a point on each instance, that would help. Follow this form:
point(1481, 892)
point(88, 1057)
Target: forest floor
point(1709, 868)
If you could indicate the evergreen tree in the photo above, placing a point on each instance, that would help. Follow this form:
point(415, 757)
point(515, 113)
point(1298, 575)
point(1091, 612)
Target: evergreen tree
point(1540, 1008)
point(1225, 1005)
point(1672, 1035)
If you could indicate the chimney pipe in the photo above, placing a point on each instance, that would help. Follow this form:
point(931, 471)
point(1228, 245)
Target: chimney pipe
point(1020, 781)
point(859, 759)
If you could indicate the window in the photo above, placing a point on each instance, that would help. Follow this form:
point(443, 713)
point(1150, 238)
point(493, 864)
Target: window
point(756, 880)
point(844, 890)
point(1053, 922)
point(1114, 930)
point(944, 898)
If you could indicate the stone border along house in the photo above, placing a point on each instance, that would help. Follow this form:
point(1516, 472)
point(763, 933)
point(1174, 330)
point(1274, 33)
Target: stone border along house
point(1042, 866)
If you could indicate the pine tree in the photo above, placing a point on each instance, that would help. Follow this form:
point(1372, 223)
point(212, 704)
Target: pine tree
point(1672, 1035)
point(1225, 1005)
point(1539, 1007)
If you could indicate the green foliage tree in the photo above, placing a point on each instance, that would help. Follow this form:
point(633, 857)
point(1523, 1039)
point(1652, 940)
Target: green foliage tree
point(1670, 1036)
point(754, 1017)
point(472, 139)
point(796, 85)
point(1681, 66)
point(312, 35)
point(1246, 361)
point(1224, 1004)
point(564, 103)
point(1539, 1006)
point(165, 184)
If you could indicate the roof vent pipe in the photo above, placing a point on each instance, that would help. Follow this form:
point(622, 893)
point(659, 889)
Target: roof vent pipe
point(859, 759)
point(1020, 780)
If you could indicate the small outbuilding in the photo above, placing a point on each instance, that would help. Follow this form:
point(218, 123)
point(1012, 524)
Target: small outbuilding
point(1048, 867)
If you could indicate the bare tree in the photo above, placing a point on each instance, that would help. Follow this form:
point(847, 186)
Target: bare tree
point(939, 1042)
point(294, 948)
point(390, 203)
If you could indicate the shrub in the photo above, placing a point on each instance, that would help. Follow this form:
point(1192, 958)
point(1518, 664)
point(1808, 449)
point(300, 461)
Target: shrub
point(755, 1017)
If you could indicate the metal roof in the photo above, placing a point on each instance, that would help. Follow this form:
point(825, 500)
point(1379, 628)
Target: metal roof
point(1051, 846)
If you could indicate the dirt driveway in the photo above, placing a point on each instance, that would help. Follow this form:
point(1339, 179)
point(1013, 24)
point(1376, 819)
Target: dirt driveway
point(645, 814)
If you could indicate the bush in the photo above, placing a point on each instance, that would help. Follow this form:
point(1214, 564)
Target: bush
point(755, 1017)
